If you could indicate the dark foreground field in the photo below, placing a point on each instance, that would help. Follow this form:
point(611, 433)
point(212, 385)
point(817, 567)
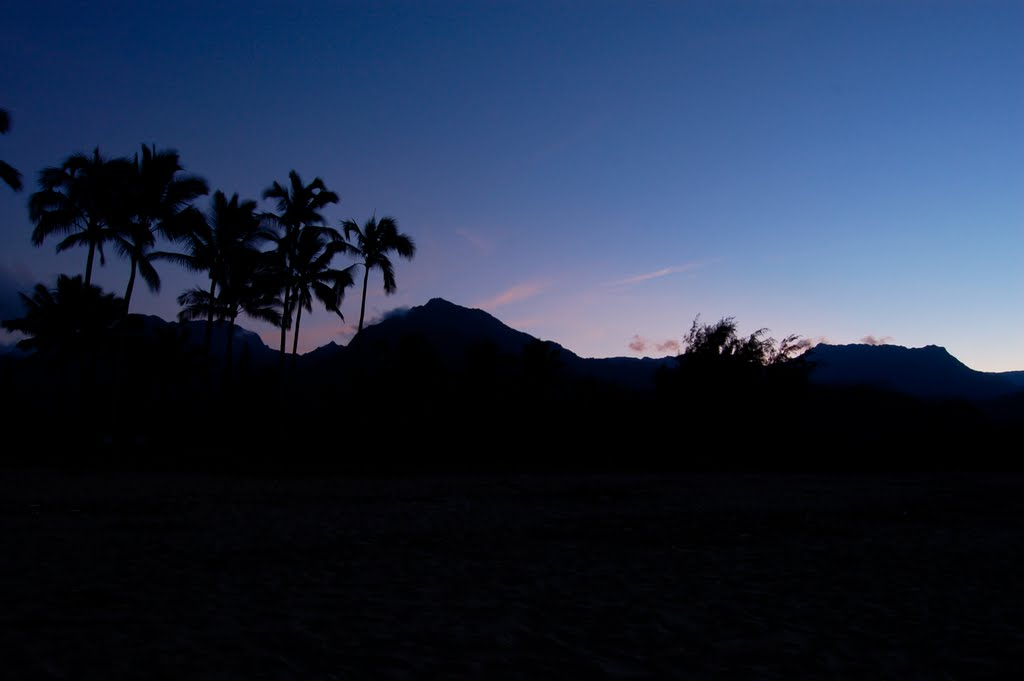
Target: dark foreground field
point(146, 576)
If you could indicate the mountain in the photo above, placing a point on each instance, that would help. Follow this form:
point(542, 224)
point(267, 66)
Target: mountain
point(192, 335)
point(928, 372)
point(1014, 377)
point(456, 334)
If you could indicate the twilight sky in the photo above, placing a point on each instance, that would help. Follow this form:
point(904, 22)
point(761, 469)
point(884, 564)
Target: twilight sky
point(595, 173)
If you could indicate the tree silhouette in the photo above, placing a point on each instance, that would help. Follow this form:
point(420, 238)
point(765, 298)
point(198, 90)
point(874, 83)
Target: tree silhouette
point(372, 244)
point(314, 277)
point(298, 208)
point(247, 288)
point(79, 198)
point(241, 276)
point(7, 173)
point(158, 202)
point(74, 316)
point(230, 227)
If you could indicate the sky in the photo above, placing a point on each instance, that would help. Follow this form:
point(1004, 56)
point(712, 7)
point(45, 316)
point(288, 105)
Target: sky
point(594, 173)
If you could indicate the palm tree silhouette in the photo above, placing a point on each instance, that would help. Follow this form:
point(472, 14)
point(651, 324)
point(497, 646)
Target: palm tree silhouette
point(298, 208)
point(7, 173)
point(372, 244)
point(249, 286)
point(78, 198)
point(230, 226)
point(72, 317)
point(240, 276)
point(158, 203)
point(314, 277)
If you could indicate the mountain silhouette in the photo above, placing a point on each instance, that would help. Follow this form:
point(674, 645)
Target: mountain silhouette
point(454, 332)
point(929, 372)
point(193, 335)
point(451, 335)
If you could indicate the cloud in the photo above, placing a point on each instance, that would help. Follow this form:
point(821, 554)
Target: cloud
point(670, 346)
point(657, 274)
point(400, 311)
point(514, 294)
point(478, 242)
point(11, 283)
point(874, 340)
point(640, 344)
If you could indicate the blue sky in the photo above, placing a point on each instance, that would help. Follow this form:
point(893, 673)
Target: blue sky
point(595, 173)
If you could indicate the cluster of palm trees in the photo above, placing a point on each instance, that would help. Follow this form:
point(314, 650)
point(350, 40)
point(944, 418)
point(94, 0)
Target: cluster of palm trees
point(269, 265)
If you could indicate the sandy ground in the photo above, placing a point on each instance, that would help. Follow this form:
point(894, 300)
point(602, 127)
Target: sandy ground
point(698, 577)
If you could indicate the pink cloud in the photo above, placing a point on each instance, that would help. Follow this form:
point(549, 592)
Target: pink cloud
point(514, 294)
point(874, 340)
point(657, 274)
point(478, 242)
point(670, 346)
point(641, 344)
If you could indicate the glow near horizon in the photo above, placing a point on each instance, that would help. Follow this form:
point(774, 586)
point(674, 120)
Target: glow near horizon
point(588, 172)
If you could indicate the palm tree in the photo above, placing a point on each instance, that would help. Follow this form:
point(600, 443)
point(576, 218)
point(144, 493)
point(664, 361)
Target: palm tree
point(314, 277)
point(298, 208)
point(248, 286)
point(158, 202)
point(372, 244)
point(72, 317)
point(230, 226)
point(78, 198)
point(225, 246)
point(7, 173)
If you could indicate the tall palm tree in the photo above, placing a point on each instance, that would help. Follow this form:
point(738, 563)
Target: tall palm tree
point(230, 226)
point(78, 198)
point(298, 208)
point(74, 316)
point(314, 277)
point(371, 244)
point(7, 173)
point(158, 199)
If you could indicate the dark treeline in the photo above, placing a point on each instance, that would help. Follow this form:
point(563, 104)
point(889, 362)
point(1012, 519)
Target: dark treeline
point(141, 397)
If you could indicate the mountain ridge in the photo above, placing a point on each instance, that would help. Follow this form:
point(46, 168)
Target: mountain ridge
point(454, 334)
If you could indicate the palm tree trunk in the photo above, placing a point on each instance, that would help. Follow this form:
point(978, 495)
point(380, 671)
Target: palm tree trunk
point(362, 308)
point(88, 264)
point(285, 318)
point(131, 285)
point(295, 334)
point(209, 315)
point(228, 357)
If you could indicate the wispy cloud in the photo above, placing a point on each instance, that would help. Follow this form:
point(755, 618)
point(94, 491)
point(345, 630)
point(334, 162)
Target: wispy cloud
point(657, 274)
point(514, 294)
point(481, 244)
point(875, 340)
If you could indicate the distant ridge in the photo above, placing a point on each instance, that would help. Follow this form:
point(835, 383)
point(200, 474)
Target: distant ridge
point(453, 333)
point(928, 372)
